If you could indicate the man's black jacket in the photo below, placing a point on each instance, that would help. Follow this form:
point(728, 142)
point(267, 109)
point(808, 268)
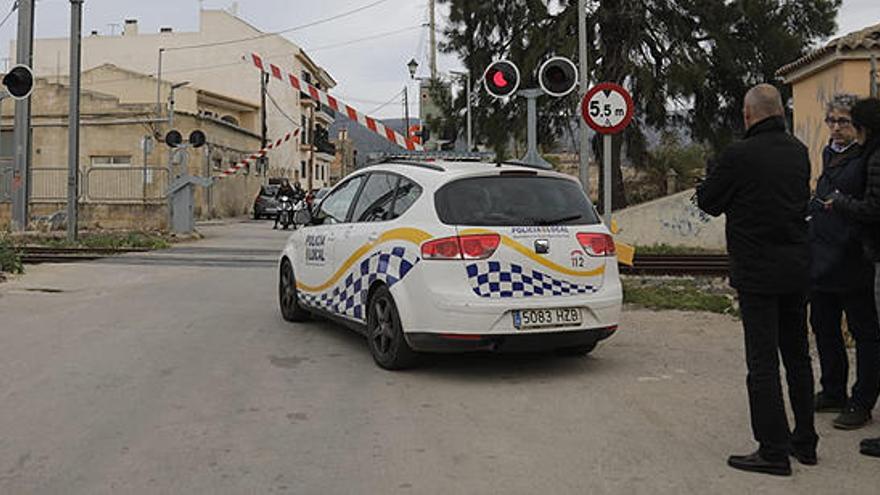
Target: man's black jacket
point(762, 184)
point(839, 263)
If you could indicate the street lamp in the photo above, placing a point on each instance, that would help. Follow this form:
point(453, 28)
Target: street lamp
point(413, 66)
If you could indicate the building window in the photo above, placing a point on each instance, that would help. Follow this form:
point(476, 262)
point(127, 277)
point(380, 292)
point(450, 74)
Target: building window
point(111, 160)
point(302, 169)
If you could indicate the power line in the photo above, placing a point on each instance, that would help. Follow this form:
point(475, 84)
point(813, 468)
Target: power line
point(13, 9)
point(283, 113)
point(367, 38)
point(284, 31)
point(392, 100)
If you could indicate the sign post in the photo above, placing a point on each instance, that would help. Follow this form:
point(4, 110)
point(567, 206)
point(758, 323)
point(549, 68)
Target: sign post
point(608, 109)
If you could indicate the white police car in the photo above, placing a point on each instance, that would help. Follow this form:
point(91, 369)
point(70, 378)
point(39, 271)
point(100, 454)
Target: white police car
point(453, 256)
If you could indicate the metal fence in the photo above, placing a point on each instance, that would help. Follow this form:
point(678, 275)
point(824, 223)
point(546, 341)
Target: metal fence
point(126, 184)
point(5, 181)
point(105, 184)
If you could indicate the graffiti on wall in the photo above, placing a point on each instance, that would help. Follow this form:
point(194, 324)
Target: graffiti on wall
point(689, 221)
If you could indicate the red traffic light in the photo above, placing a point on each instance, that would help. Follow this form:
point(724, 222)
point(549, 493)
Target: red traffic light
point(502, 79)
point(558, 76)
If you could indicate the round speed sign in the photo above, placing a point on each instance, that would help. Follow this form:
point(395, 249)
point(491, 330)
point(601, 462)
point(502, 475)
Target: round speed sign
point(607, 108)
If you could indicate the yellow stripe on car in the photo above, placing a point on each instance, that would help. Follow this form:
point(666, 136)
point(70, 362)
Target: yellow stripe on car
point(414, 236)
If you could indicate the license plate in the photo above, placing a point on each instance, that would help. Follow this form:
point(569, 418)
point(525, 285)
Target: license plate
point(545, 318)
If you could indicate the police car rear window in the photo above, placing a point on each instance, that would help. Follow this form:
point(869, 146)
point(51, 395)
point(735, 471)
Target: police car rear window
point(508, 201)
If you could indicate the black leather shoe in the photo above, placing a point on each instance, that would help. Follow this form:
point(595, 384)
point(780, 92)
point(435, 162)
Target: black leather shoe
point(870, 447)
point(827, 404)
point(755, 463)
point(805, 458)
point(852, 418)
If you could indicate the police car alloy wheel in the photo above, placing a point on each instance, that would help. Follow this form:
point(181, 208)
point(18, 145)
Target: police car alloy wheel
point(290, 308)
point(387, 344)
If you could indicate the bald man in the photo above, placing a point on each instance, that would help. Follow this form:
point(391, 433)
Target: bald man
point(762, 185)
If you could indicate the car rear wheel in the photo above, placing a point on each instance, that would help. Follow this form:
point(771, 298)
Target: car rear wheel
point(287, 295)
point(387, 344)
point(581, 350)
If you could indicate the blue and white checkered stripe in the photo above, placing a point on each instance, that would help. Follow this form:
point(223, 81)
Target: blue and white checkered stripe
point(496, 280)
point(349, 298)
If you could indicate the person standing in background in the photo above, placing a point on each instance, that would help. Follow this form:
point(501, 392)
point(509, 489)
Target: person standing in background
point(842, 280)
point(866, 211)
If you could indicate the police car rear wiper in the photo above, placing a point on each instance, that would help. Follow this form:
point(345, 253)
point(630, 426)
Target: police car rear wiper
point(542, 221)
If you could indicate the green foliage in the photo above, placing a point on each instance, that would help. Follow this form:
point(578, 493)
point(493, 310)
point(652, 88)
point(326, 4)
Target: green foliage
point(677, 294)
point(688, 162)
point(104, 240)
point(10, 258)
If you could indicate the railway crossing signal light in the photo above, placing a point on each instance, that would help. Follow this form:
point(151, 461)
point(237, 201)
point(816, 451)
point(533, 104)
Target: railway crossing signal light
point(19, 82)
point(502, 79)
point(558, 76)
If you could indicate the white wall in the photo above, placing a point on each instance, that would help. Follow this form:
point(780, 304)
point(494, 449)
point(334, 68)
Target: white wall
point(674, 221)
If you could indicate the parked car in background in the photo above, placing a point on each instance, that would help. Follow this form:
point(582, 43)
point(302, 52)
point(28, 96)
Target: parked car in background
point(265, 205)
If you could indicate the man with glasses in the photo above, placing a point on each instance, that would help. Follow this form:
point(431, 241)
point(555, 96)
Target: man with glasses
point(842, 280)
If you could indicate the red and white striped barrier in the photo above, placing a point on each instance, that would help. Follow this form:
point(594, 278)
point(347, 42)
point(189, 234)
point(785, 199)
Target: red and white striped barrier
point(256, 156)
point(326, 99)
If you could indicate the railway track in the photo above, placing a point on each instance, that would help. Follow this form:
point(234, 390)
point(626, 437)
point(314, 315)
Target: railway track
point(650, 264)
point(32, 255)
point(675, 264)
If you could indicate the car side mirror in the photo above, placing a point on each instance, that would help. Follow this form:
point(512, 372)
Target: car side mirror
point(303, 217)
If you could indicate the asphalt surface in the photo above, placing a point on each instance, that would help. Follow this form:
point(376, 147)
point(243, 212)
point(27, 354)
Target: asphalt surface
point(174, 373)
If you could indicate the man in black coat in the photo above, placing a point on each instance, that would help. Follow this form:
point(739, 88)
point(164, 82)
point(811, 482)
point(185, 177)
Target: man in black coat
point(762, 184)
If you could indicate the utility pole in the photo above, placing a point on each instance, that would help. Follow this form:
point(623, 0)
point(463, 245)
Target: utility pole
point(264, 129)
point(159, 85)
point(73, 122)
point(433, 15)
point(406, 110)
point(21, 176)
point(583, 40)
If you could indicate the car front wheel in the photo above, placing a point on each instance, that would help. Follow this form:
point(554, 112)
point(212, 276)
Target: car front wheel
point(385, 333)
point(287, 295)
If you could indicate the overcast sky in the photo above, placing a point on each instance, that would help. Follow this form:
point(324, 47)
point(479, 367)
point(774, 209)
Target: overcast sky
point(369, 72)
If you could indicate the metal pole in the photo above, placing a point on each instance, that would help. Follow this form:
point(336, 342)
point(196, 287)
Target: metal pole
point(583, 40)
point(532, 156)
point(21, 176)
point(159, 85)
point(406, 110)
point(73, 122)
point(311, 171)
point(470, 136)
point(606, 170)
point(433, 22)
point(264, 127)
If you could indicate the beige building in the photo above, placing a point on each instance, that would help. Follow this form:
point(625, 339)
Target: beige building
point(123, 184)
point(841, 66)
point(208, 60)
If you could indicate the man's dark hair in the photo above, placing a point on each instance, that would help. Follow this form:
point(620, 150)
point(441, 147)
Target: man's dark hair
point(866, 115)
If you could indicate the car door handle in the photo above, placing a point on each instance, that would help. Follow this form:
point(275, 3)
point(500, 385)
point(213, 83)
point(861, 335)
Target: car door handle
point(374, 236)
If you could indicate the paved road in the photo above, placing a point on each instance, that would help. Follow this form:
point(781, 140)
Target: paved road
point(174, 373)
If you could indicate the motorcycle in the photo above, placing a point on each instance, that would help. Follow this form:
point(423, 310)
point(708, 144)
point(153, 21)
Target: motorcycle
point(285, 212)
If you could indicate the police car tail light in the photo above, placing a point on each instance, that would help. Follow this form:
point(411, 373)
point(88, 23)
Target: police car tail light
point(597, 244)
point(479, 247)
point(447, 248)
point(468, 247)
